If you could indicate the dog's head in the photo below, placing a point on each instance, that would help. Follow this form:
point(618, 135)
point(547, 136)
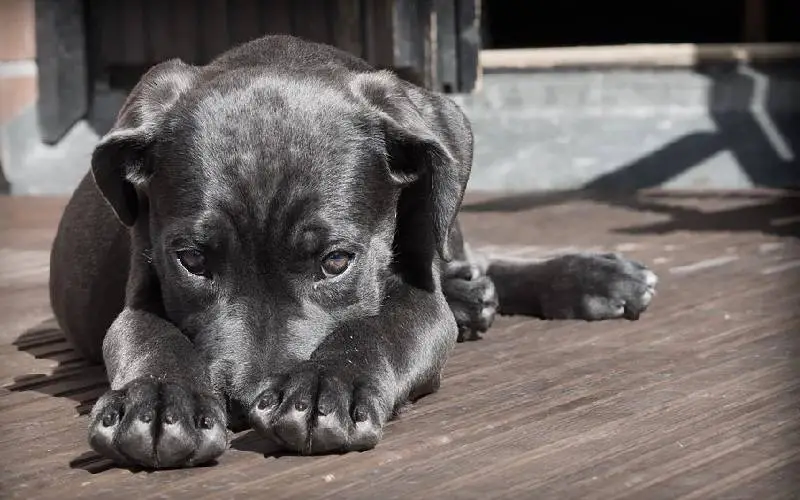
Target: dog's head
point(274, 207)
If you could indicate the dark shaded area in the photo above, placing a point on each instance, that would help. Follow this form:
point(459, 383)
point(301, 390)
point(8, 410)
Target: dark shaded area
point(767, 215)
point(252, 442)
point(73, 378)
point(93, 463)
point(5, 187)
point(511, 24)
point(773, 217)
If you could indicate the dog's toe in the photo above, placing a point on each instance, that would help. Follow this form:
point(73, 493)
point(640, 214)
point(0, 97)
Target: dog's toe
point(367, 420)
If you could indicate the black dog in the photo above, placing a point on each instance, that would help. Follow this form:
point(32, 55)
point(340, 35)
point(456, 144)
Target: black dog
point(271, 240)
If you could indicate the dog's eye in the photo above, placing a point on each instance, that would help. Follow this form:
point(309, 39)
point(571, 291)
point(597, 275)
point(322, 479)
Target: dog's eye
point(336, 263)
point(194, 261)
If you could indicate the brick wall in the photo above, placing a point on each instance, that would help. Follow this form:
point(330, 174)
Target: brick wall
point(18, 84)
point(18, 87)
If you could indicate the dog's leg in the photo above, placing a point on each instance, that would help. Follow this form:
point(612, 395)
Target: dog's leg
point(161, 410)
point(585, 286)
point(358, 377)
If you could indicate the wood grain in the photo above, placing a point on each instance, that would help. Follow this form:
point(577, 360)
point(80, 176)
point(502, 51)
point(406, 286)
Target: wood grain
point(697, 400)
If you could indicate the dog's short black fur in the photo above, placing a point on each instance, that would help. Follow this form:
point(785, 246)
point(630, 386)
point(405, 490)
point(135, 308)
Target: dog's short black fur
point(270, 240)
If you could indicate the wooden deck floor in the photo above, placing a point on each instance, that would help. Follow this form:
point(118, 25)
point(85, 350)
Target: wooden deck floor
point(698, 399)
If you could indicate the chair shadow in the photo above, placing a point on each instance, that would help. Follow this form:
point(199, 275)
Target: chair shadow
point(768, 213)
point(773, 216)
point(73, 378)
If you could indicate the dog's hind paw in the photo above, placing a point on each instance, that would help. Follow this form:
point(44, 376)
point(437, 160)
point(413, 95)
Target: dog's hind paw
point(596, 287)
point(158, 425)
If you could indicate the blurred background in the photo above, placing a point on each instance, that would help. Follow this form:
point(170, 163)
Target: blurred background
point(563, 95)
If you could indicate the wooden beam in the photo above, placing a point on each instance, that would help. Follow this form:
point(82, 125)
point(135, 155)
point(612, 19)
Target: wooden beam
point(446, 46)
point(63, 73)
point(347, 29)
point(666, 55)
point(469, 43)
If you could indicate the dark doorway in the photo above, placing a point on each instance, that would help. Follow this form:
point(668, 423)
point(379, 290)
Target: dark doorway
point(512, 24)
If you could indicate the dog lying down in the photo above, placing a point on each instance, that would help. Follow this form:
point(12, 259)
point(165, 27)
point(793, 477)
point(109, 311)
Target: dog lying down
point(271, 241)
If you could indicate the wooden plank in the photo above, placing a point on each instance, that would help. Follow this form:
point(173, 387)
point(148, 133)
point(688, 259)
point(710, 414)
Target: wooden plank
point(213, 24)
point(347, 26)
point(185, 20)
point(62, 66)
point(311, 19)
point(635, 55)
point(244, 20)
point(133, 32)
point(407, 46)
point(109, 22)
point(469, 43)
point(446, 52)
point(411, 42)
point(694, 400)
point(94, 47)
point(161, 40)
point(379, 33)
point(276, 17)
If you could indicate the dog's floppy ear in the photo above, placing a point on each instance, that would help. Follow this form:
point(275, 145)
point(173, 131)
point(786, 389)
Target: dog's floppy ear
point(120, 165)
point(429, 146)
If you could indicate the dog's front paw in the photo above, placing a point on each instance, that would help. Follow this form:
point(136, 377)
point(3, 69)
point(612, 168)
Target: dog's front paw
point(472, 298)
point(157, 425)
point(319, 410)
point(598, 286)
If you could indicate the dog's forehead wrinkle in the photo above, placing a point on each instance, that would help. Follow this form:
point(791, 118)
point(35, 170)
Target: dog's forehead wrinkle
point(275, 194)
point(267, 99)
point(249, 133)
